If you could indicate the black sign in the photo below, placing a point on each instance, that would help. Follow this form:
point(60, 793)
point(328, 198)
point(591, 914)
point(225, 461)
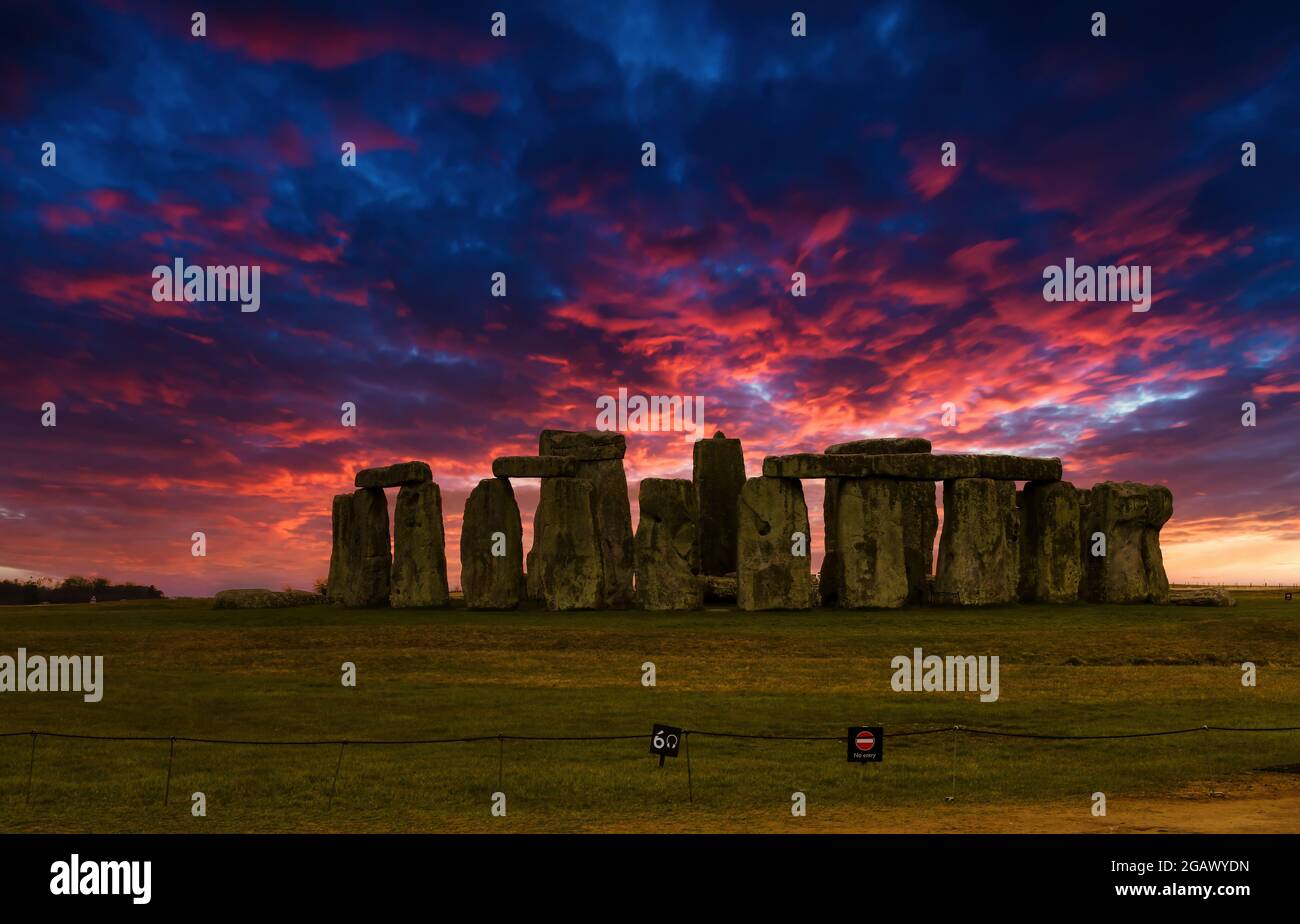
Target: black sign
point(664, 741)
point(1288, 595)
point(866, 743)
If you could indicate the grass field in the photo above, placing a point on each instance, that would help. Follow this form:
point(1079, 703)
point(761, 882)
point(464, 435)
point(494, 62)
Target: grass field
point(180, 668)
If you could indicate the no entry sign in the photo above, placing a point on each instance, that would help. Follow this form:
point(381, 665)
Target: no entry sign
point(866, 743)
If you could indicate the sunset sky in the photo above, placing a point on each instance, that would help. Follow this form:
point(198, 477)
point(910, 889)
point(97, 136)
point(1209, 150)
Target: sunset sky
point(522, 155)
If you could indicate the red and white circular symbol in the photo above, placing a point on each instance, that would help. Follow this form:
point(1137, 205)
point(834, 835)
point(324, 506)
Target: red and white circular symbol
point(865, 741)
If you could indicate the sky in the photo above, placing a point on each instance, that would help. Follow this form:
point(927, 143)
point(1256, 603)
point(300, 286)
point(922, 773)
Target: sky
point(522, 154)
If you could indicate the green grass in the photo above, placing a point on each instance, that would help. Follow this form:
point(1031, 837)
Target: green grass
point(179, 668)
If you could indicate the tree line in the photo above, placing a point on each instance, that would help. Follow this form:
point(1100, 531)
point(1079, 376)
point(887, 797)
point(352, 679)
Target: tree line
point(74, 589)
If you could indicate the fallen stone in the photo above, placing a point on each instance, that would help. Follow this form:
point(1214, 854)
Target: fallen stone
point(979, 550)
point(1201, 596)
point(1130, 516)
point(568, 542)
point(419, 548)
point(917, 466)
point(585, 445)
point(492, 582)
point(1049, 542)
point(394, 476)
point(361, 557)
point(869, 539)
point(719, 588)
point(769, 576)
point(599, 458)
point(534, 467)
point(719, 474)
point(261, 598)
point(667, 546)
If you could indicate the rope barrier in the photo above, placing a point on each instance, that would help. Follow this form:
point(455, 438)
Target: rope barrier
point(963, 729)
point(501, 740)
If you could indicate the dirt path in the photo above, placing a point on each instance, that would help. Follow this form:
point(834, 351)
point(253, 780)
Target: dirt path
point(1261, 803)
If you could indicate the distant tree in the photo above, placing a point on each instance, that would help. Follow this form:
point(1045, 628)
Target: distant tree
point(73, 589)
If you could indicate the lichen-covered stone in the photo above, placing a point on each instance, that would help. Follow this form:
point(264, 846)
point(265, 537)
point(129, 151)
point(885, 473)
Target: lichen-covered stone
point(1201, 596)
point(394, 476)
point(719, 588)
point(569, 545)
point(360, 557)
point(534, 467)
point(1049, 542)
point(979, 550)
point(920, 518)
point(492, 582)
point(920, 524)
point(667, 546)
point(419, 547)
point(584, 445)
point(261, 598)
point(1130, 516)
point(881, 445)
point(719, 474)
point(769, 576)
point(599, 457)
point(917, 466)
point(869, 538)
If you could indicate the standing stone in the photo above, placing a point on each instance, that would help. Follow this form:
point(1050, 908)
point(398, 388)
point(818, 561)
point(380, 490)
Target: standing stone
point(719, 474)
point(600, 461)
point(920, 524)
point(1049, 542)
point(419, 547)
point(768, 575)
point(667, 546)
point(360, 558)
point(872, 570)
point(979, 551)
point(920, 518)
point(1130, 516)
point(491, 582)
point(535, 563)
point(568, 542)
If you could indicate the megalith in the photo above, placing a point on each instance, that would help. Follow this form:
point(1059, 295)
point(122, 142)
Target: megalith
point(394, 476)
point(719, 474)
point(979, 550)
point(770, 575)
point(668, 546)
point(419, 547)
point(566, 539)
point(1129, 516)
point(599, 457)
point(492, 547)
point(920, 517)
point(360, 554)
point(871, 571)
point(1049, 542)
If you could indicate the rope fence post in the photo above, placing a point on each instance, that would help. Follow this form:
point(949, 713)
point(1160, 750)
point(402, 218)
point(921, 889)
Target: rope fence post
point(501, 762)
point(334, 785)
point(955, 730)
point(690, 786)
point(31, 765)
point(171, 754)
